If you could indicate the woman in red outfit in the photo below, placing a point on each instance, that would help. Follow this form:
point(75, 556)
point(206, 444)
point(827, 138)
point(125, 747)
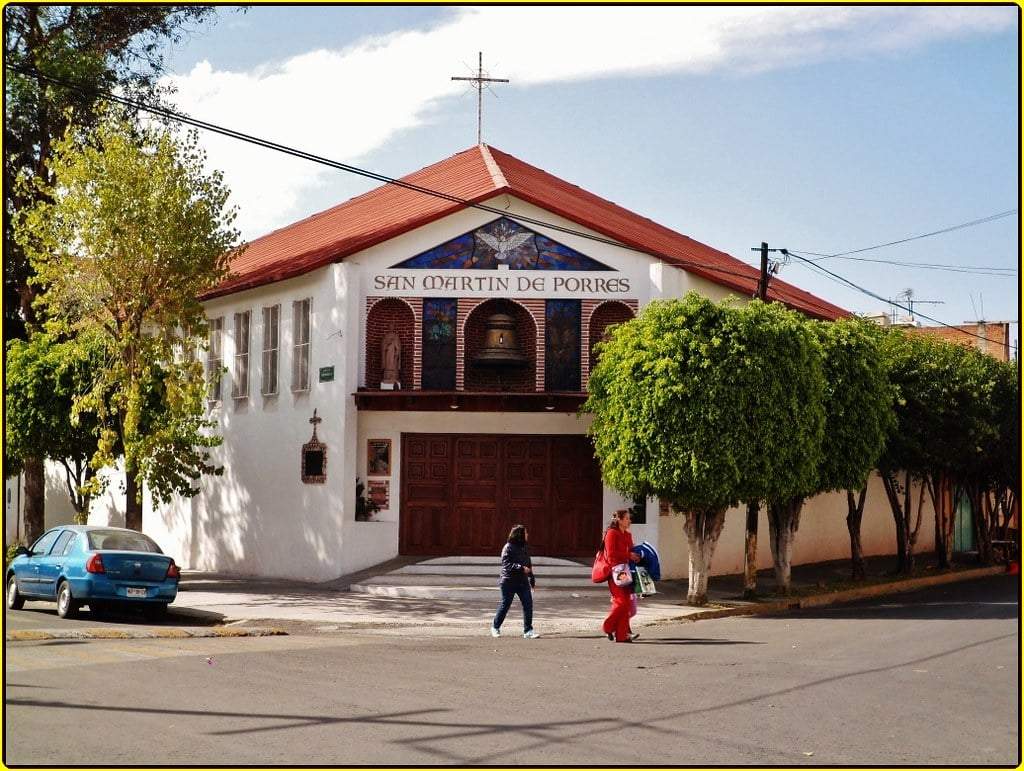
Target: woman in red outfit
point(618, 548)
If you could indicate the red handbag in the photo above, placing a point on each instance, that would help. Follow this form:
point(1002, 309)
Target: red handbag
point(601, 570)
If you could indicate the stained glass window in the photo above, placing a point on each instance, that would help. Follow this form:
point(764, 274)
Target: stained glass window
point(502, 243)
point(562, 345)
point(439, 344)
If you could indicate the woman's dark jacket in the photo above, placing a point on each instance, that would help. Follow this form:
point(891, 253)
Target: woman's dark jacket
point(514, 557)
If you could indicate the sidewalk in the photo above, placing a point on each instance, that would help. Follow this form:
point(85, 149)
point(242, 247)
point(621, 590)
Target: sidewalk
point(324, 608)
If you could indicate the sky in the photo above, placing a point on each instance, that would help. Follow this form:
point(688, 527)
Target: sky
point(816, 129)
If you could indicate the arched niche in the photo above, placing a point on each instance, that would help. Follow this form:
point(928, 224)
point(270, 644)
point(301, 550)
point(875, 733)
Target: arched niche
point(521, 378)
point(390, 315)
point(602, 319)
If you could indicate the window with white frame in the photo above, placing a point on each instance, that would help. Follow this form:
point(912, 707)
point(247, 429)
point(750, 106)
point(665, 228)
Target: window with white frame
point(271, 348)
point(215, 358)
point(301, 311)
point(240, 377)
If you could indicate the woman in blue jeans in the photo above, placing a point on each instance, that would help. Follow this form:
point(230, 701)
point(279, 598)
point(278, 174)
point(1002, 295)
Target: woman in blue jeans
point(516, 579)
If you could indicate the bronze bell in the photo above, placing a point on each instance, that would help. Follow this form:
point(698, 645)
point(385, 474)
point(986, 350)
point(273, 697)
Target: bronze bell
point(500, 346)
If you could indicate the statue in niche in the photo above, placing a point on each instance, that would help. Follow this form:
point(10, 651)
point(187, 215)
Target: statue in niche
point(391, 360)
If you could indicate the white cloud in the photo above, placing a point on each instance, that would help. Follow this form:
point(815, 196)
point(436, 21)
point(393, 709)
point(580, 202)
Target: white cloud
point(344, 104)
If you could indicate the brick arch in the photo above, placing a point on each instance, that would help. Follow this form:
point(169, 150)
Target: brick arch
point(384, 315)
point(520, 379)
point(604, 316)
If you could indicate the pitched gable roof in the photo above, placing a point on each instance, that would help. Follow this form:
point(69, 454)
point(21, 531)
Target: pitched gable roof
point(473, 176)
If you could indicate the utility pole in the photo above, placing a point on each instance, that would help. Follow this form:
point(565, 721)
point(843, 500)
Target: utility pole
point(479, 81)
point(768, 269)
point(754, 507)
point(762, 285)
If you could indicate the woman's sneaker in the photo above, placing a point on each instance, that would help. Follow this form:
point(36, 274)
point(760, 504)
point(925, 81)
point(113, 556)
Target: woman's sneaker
point(531, 635)
point(495, 632)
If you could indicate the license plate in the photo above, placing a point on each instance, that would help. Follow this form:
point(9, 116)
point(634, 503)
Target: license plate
point(135, 591)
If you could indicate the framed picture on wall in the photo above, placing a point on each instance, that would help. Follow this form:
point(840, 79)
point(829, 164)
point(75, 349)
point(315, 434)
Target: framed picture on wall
point(378, 457)
point(379, 492)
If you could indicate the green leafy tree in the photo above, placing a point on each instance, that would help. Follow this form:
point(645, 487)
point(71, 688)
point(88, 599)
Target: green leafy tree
point(987, 466)
point(859, 417)
point(707, 404)
point(947, 425)
point(41, 381)
point(782, 376)
point(92, 46)
point(129, 235)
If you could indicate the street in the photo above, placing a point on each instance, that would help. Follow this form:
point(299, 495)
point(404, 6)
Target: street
point(923, 678)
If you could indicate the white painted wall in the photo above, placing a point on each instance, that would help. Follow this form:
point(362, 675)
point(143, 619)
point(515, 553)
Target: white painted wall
point(822, 535)
point(259, 518)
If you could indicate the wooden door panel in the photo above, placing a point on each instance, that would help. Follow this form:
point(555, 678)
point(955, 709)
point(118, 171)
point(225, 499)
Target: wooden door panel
point(462, 493)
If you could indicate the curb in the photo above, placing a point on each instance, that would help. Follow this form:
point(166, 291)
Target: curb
point(35, 635)
point(837, 598)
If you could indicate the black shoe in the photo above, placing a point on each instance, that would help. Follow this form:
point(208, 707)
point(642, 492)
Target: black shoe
point(634, 635)
point(611, 636)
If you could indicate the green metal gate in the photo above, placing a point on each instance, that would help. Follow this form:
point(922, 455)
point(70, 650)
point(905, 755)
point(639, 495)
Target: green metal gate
point(963, 528)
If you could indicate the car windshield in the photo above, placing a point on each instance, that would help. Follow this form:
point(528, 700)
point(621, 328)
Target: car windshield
point(120, 540)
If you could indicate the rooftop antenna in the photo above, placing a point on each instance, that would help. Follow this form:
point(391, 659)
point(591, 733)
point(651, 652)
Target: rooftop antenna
point(907, 295)
point(480, 81)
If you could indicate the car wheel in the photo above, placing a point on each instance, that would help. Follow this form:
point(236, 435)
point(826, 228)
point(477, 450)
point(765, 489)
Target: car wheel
point(14, 599)
point(67, 606)
point(155, 612)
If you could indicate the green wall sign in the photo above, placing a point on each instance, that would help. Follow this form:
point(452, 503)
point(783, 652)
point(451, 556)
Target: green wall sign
point(326, 374)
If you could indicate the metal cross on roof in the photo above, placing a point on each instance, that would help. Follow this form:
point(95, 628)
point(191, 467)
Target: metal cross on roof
point(479, 81)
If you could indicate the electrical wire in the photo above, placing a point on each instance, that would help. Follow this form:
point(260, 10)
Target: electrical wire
point(302, 154)
point(978, 270)
point(843, 280)
point(961, 226)
point(268, 144)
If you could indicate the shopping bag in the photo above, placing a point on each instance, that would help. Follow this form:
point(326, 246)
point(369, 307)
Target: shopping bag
point(621, 574)
point(601, 570)
point(643, 583)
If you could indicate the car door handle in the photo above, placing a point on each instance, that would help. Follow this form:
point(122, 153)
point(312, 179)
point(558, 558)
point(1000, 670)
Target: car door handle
point(57, 566)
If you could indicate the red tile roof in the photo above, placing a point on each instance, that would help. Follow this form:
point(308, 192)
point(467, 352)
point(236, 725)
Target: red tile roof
point(473, 176)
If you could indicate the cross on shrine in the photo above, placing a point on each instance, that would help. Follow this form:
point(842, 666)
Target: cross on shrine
point(479, 81)
point(315, 421)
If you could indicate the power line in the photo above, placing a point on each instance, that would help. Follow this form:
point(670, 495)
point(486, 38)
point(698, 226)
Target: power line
point(961, 226)
point(287, 150)
point(843, 280)
point(976, 269)
point(276, 146)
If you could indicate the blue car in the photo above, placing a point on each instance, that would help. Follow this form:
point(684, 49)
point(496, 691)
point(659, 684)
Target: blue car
point(96, 566)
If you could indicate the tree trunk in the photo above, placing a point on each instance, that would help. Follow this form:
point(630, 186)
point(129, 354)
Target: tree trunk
point(133, 502)
point(900, 517)
point(783, 522)
point(702, 530)
point(854, 516)
point(750, 552)
point(35, 499)
point(940, 487)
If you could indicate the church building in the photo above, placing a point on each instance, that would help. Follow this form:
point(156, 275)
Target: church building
point(402, 374)
point(431, 356)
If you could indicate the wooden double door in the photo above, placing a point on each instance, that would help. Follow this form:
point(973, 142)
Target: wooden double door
point(461, 493)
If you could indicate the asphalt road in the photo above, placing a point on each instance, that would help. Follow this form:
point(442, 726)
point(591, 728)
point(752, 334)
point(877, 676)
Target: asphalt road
point(925, 678)
point(43, 615)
